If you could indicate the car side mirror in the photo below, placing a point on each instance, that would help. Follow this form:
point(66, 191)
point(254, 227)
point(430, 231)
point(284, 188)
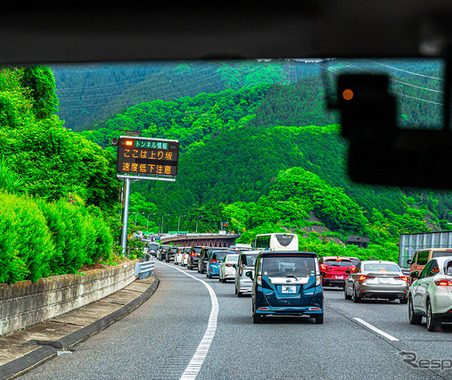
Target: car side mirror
point(322, 274)
point(234, 266)
point(348, 271)
point(408, 262)
point(249, 274)
point(414, 274)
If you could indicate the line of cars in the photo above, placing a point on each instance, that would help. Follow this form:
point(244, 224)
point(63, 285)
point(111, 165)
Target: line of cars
point(291, 282)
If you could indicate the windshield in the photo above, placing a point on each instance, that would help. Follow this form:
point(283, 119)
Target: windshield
point(249, 260)
point(288, 266)
point(381, 267)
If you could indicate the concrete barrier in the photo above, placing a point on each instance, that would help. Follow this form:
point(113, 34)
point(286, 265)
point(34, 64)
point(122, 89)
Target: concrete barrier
point(25, 303)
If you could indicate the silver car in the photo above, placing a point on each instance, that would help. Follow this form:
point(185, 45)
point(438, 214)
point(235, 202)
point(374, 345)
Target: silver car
point(430, 295)
point(246, 262)
point(376, 279)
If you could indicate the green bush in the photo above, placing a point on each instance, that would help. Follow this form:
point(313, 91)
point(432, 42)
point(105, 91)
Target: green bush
point(25, 240)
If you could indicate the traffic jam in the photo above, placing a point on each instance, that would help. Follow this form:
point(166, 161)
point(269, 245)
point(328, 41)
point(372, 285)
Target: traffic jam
point(284, 281)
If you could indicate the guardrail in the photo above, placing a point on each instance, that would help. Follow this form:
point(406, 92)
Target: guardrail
point(144, 269)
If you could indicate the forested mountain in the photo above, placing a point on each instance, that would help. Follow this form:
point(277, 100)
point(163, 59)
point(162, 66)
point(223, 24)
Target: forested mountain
point(270, 158)
point(89, 94)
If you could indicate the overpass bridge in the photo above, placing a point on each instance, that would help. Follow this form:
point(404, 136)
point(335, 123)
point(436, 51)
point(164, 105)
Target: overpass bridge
point(209, 240)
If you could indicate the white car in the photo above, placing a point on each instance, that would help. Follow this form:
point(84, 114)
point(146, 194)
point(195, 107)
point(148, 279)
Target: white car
point(227, 267)
point(430, 295)
point(178, 255)
point(246, 263)
point(185, 253)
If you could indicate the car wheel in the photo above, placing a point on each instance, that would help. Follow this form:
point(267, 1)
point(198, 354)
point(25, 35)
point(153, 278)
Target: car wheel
point(432, 323)
point(413, 318)
point(346, 296)
point(355, 297)
point(404, 300)
point(319, 319)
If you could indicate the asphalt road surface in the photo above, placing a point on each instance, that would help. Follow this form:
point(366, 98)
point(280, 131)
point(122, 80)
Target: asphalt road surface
point(194, 327)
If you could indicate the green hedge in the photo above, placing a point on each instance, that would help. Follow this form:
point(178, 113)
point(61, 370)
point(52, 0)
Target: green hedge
point(39, 239)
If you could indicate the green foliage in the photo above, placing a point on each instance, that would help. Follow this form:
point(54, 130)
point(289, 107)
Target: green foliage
point(26, 244)
point(57, 189)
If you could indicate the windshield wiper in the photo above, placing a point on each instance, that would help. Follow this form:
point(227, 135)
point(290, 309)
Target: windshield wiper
point(292, 275)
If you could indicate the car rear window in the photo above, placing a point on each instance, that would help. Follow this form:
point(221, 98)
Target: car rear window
point(381, 267)
point(249, 260)
point(219, 256)
point(448, 268)
point(288, 266)
point(284, 239)
point(232, 258)
point(338, 263)
point(436, 254)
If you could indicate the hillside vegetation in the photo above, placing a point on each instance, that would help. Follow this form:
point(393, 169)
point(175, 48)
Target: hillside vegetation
point(270, 158)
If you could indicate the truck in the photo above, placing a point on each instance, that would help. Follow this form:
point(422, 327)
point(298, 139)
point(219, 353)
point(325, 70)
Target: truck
point(410, 243)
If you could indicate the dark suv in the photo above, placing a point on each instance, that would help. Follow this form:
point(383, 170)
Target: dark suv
point(287, 283)
point(193, 257)
point(170, 253)
point(162, 252)
point(204, 257)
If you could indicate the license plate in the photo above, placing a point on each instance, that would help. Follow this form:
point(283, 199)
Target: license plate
point(385, 281)
point(289, 289)
point(340, 277)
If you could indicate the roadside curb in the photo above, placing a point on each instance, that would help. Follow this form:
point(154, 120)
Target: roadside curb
point(48, 351)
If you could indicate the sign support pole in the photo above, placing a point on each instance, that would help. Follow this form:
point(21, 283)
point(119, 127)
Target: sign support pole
point(125, 216)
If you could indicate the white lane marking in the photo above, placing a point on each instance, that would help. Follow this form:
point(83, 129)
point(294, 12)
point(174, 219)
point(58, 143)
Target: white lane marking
point(373, 328)
point(196, 362)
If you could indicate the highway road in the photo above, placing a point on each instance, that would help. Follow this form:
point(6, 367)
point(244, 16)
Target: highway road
point(194, 327)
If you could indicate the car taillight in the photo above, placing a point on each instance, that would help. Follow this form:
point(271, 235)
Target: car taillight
point(213, 261)
point(229, 265)
point(352, 269)
point(404, 278)
point(362, 277)
point(322, 267)
point(193, 254)
point(443, 283)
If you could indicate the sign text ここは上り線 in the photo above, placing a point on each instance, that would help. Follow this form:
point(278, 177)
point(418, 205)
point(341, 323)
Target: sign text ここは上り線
point(141, 156)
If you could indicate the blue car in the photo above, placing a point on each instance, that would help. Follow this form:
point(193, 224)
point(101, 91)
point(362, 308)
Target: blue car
point(287, 283)
point(213, 263)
